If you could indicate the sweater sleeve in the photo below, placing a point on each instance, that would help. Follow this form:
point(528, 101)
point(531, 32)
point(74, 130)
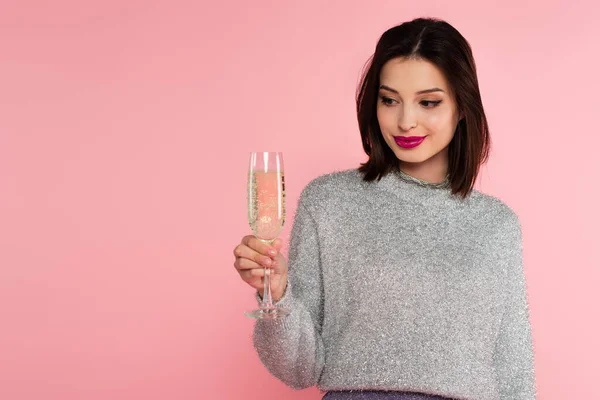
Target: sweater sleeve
point(513, 355)
point(291, 348)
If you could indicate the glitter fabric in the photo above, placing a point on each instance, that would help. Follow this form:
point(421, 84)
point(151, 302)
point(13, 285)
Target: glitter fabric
point(379, 395)
point(402, 287)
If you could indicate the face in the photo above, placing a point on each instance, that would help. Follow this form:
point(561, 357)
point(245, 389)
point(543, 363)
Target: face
point(415, 105)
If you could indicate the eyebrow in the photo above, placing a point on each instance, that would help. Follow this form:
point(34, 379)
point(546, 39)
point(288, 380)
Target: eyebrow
point(419, 92)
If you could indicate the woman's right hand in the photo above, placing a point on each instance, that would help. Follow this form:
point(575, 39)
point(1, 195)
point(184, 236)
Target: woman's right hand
point(252, 256)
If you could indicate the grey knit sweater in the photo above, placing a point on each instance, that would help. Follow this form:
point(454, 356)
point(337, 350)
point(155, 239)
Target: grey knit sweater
point(398, 286)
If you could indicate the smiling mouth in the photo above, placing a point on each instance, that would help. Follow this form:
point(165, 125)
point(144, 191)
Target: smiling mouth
point(409, 138)
point(409, 142)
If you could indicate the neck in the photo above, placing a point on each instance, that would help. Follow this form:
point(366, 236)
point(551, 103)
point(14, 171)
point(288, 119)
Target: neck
point(429, 173)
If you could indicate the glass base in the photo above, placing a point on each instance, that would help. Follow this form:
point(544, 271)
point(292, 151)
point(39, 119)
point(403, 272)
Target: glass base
point(268, 313)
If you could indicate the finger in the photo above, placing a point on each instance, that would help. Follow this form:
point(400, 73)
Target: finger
point(277, 244)
point(250, 274)
point(243, 251)
point(259, 246)
point(242, 264)
point(252, 279)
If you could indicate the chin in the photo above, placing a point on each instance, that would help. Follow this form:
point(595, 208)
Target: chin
point(413, 156)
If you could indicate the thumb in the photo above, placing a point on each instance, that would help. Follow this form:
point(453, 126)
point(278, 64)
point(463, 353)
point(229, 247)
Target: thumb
point(277, 244)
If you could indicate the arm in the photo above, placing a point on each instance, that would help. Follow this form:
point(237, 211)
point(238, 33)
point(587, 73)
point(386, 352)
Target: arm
point(513, 355)
point(292, 348)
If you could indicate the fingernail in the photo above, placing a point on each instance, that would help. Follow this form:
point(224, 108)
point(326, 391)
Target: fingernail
point(272, 253)
point(267, 262)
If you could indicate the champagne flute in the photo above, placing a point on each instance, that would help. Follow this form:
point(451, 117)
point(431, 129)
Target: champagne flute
point(266, 215)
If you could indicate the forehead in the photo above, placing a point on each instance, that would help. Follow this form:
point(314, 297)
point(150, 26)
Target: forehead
point(411, 75)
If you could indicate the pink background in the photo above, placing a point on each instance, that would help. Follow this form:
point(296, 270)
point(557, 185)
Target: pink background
point(124, 134)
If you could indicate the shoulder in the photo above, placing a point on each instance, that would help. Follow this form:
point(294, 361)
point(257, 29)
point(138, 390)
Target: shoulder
point(330, 185)
point(497, 213)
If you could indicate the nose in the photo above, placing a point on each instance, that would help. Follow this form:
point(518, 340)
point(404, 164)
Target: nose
point(407, 119)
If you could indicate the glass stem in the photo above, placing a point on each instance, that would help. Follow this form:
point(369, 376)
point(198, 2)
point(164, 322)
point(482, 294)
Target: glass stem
point(267, 301)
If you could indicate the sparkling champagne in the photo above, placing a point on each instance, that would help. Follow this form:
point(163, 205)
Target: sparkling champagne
point(266, 203)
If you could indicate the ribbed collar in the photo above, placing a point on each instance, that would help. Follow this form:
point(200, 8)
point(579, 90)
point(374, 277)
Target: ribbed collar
point(412, 191)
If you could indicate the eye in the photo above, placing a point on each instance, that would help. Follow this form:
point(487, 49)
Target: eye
point(430, 103)
point(386, 100)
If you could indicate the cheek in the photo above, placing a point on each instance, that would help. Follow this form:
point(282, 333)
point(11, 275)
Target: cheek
point(439, 121)
point(384, 117)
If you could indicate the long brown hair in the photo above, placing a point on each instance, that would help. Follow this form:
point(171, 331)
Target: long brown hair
point(438, 42)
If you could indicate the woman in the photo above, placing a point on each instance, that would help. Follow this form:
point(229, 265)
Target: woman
point(404, 282)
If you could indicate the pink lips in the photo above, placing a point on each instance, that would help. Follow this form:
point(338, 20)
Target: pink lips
point(408, 142)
